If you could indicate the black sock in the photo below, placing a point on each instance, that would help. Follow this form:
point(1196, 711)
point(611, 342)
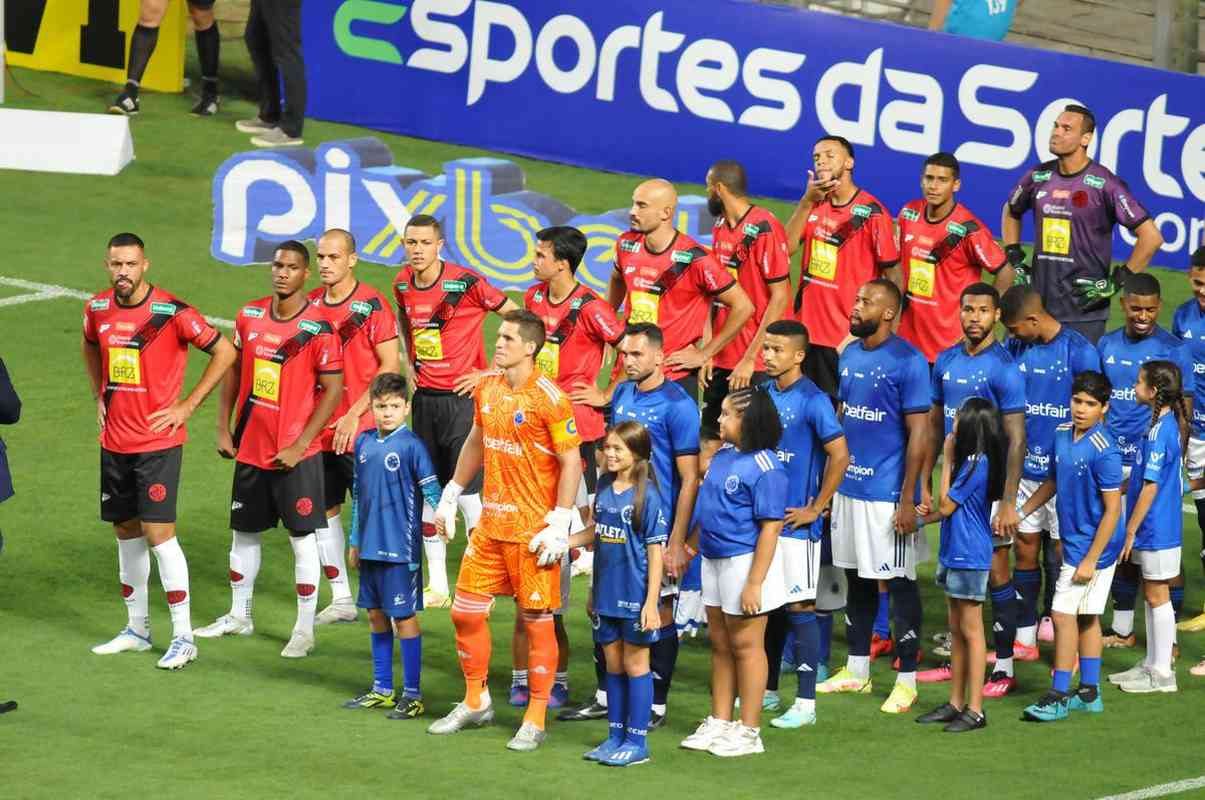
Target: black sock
point(906, 613)
point(861, 605)
point(1004, 618)
point(600, 667)
point(142, 45)
point(663, 655)
point(1051, 564)
point(776, 639)
point(208, 46)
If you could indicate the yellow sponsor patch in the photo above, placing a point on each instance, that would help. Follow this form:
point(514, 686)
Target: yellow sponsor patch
point(266, 380)
point(920, 277)
point(124, 366)
point(1056, 236)
point(644, 307)
point(428, 345)
point(823, 263)
point(549, 359)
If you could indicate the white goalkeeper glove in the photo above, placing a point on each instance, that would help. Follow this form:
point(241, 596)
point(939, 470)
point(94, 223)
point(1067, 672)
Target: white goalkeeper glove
point(445, 512)
point(552, 543)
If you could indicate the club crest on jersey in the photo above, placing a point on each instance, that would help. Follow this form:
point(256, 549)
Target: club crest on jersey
point(99, 305)
point(519, 417)
point(626, 514)
point(361, 307)
point(393, 462)
point(681, 256)
point(731, 484)
point(910, 215)
point(309, 326)
point(253, 311)
point(538, 297)
point(1095, 181)
point(629, 245)
point(163, 308)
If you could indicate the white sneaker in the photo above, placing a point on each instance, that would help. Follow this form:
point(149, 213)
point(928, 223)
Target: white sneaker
point(126, 641)
point(1130, 674)
point(255, 125)
point(461, 717)
point(276, 137)
point(337, 612)
point(738, 740)
point(299, 646)
point(227, 624)
point(179, 653)
point(527, 738)
point(706, 734)
point(1150, 681)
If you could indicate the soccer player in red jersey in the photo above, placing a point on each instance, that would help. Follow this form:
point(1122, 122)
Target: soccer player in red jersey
point(368, 335)
point(135, 348)
point(668, 279)
point(847, 240)
point(751, 244)
point(442, 307)
point(287, 380)
point(944, 248)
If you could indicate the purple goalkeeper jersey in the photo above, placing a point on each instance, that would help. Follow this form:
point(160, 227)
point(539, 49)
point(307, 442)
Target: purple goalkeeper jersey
point(1073, 219)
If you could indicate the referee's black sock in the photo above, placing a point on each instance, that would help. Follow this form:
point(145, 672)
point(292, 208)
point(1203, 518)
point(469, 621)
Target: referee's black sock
point(209, 44)
point(776, 639)
point(905, 603)
point(142, 45)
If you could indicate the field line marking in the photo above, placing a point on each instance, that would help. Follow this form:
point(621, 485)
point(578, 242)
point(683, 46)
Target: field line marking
point(49, 291)
point(1162, 790)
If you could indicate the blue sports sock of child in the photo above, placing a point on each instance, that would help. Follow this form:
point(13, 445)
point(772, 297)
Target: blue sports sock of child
point(412, 666)
point(807, 650)
point(1089, 671)
point(1029, 586)
point(382, 662)
point(1062, 680)
point(663, 655)
point(617, 706)
point(640, 708)
point(1004, 619)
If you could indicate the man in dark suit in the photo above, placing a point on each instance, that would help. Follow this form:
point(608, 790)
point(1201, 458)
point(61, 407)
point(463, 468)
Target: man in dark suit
point(10, 412)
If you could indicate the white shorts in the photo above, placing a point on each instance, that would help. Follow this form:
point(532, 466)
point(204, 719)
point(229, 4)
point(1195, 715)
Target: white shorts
point(1082, 598)
point(1157, 565)
point(864, 539)
point(724, 580)
point(800, 568)
point(1126, 469)
point(1044, 519)
point(830, 595)
point(1195, 461)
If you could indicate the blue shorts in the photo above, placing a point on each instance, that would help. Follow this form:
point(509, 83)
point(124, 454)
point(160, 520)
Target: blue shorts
point(610, 629)
point(963, 584)
point(395, 589)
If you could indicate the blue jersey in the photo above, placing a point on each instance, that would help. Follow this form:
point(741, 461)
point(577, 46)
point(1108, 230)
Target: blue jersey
point(808, 424)
point(621, 561)
point(1122, 356)
point(1083, 469)
point(1048, 369)
point(1189, 325)
point(672, 419)
point(878, 389)
point(966, 535)
point(980, 19)
point(991, 374)
point(393, 475)
point(1158, 462)
point(739, 492)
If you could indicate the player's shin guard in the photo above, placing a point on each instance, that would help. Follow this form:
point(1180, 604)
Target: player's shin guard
point(382, 661)
point(541, 663)
point(776, 639)
point(807, 648)
point(1125, 593)
point(245, 553)
point(469, 613)
point(436, 551)
point(134, 570)
point(142, 45)
point(905, 601)
point(173, 574)
point(617, 706)
point(331, 548)
point(1004, 619)
point(663, 657)
point(306, 569)
point(640, 707)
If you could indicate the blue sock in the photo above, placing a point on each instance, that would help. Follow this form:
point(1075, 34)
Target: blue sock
point(824, 622)
point(1029, 586)
point(881, 625)
point(663, 655)
point(640, 708)
point(1177, 601)
point(1089, 671)
point(1125, 593)
point(382, 661)
point(617, 706)
point(807, 649)
point(1004, 618)
point(412, 666)
point(1062, 678)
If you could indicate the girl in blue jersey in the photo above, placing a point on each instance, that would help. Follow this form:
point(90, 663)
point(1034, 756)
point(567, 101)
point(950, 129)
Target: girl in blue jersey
point(631, 524)
point(1156, 525)
point(737, 519)
point(975, 455)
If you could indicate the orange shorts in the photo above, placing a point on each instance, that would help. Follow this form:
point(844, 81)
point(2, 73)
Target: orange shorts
point(493, 567)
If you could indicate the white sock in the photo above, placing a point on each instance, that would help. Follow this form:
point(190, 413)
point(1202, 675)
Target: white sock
point(600, 697)
point(245, 555)
point(659, 709)
point(1004, 665)
point(1150, 637)
point(306, 569)
point(331, 550)
point(436, 551)
point(518, 677)
point(134, 570)
point(1123, 622)
point(906, 678)
point(805, 705)
point(173, 574)
point(1164, 618)
point(470, 507)
point(562, 679)
point(859, 666)
point(1028, 635)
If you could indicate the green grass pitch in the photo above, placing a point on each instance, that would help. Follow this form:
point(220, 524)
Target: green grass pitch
point(241, 721)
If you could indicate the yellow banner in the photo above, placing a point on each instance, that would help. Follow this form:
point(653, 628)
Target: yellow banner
point(92, 38)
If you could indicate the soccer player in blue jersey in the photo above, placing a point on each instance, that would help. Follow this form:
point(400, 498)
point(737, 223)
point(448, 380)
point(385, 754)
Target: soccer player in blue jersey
point(813, 452)
point(972, 479)
point(1049, 355)
point(884, 394)
point(1189, 324)
point(979, 366)
point(394, 476)
point(631, 524)
point(1155, 530)
point(1085, 480)
point(1122, 352)
point(736, 523)
point(672, 418)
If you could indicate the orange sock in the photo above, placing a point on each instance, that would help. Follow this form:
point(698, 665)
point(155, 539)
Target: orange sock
point(541, 663)
point(469, 612)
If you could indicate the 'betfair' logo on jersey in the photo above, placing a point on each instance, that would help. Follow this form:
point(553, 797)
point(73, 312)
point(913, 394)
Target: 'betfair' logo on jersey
point(910, 215)
point(360, 307)
point(253, 311)
point(1095, 181)
point(310, 327)
point(861, 210)
point(1042, 176)
point(163, 308)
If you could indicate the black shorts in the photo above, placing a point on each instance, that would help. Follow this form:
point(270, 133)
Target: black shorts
point(713, 396)
point(589, 453)
point(690, 382)
point(442, 420)
point(820, 365)
point(140, 485)
point(338, 472)
point(262, 497)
